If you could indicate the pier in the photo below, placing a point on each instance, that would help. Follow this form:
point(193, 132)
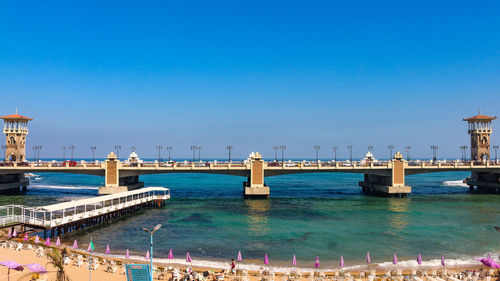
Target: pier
point(58, 219)
point(385, 178)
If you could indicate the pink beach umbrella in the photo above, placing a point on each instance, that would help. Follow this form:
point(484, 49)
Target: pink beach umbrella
point(316, 264)
point(11, 265)
point(294, 261)
point(188, 257)
point(442, 261)
point(170, 255)
point(14, 234)
point(47, 242)
point(89, 248)
point(147, 255)
point(108, 251)
point(9, 233)
point(58, 241)
point(395, 259)
point(419, 259)
point(75, 245)
point(240, 259)
point(26, 236)
point(127, 254)
point(368, 260)
point(37, 239)
point(341, 264)
point(266, 260)
point(35, 267)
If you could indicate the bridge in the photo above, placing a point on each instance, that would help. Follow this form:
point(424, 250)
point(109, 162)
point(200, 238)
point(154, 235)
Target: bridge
point(385, 178)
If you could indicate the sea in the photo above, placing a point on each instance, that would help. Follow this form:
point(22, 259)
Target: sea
point(321, 215)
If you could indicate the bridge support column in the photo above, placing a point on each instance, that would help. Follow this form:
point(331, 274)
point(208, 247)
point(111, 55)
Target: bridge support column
point(113, 182)
point(482, 182)
point(13, 183)
point(392, 185)
point(255, 186)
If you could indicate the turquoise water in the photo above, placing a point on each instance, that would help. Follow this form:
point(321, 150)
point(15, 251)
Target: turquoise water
point(308, 215)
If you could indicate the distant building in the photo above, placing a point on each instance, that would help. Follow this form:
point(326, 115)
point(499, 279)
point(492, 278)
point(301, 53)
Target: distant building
point(15, 129)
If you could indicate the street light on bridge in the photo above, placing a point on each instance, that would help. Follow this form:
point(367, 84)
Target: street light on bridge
point(159, 148)
point(64, 153)
point(229, 148)
point(72, 148)
point(36, 151)
point(408, 148)
point(350, 153)
point(193, 148)
point(390, 147)
point(434, 153)
point(276, 152)
point(132, 148)
point(370, 148)
point(199, 153)
point(282, 147)
point(463, 148)
point(495, 147)
point(93, 148)
point(316, 147)
point(169, 148)
point(117, 148)
point(335, 153)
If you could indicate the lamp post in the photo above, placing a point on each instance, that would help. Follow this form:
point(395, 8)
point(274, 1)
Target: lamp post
point(463, 148)
point(335, 153)
point(132, 148)
point(93, 148)
point(276, 152)
point(282, 147)
point(117, 148)
point(64, 153)
point(350, 153)
point(169, 148)
point(199, 153)
point(193, 148)
point(408, 153)
point(495, 147)
point(39, 148)
point(370, 148)
point(158, 226)
point(72, 148)
point(34, 153)
point(159, 148)
point(434, 152)
point(316, 147)
point(229, 148)
point(390, 147)
point(4, 148)
point(465, 152)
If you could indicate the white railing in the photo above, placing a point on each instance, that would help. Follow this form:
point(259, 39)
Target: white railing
point(63, 213)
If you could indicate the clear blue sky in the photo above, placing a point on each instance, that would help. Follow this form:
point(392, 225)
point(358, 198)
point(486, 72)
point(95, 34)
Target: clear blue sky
point(251, 74)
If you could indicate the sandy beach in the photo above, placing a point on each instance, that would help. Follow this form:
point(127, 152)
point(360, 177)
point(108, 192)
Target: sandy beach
point(82, 273)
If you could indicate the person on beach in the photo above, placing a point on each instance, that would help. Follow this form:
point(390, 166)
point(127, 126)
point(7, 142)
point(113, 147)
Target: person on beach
point(233, 266)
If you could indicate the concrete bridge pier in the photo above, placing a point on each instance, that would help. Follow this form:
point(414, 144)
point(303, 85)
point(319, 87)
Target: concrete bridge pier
point(113, 182)
point(390, 185)
point(255, 187)
point(482, 182)
point(13, 183)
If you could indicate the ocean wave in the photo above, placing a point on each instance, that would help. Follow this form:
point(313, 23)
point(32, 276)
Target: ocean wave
point(455, 183)
point(407, 264)
point(76, 187)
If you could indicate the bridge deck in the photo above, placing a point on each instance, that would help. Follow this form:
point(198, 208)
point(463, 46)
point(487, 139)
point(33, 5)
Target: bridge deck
point(55, 215)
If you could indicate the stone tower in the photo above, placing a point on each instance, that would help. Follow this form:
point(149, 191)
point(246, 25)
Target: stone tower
point(15, 129)
point(480, 131)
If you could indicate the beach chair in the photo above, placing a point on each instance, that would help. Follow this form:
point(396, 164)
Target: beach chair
point(371, 278)
point(95, 266)
point(124, 269)
point(19, 247)
point(4, 244)
point(40, 253)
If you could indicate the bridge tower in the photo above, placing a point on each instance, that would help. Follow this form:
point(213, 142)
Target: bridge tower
point(255, 186)
point(15, 129)
point(480, 131)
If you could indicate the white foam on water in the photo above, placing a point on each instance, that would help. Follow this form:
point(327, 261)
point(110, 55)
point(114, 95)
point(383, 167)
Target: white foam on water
point(83, 187)
point(407, 264)
point(455, 183)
